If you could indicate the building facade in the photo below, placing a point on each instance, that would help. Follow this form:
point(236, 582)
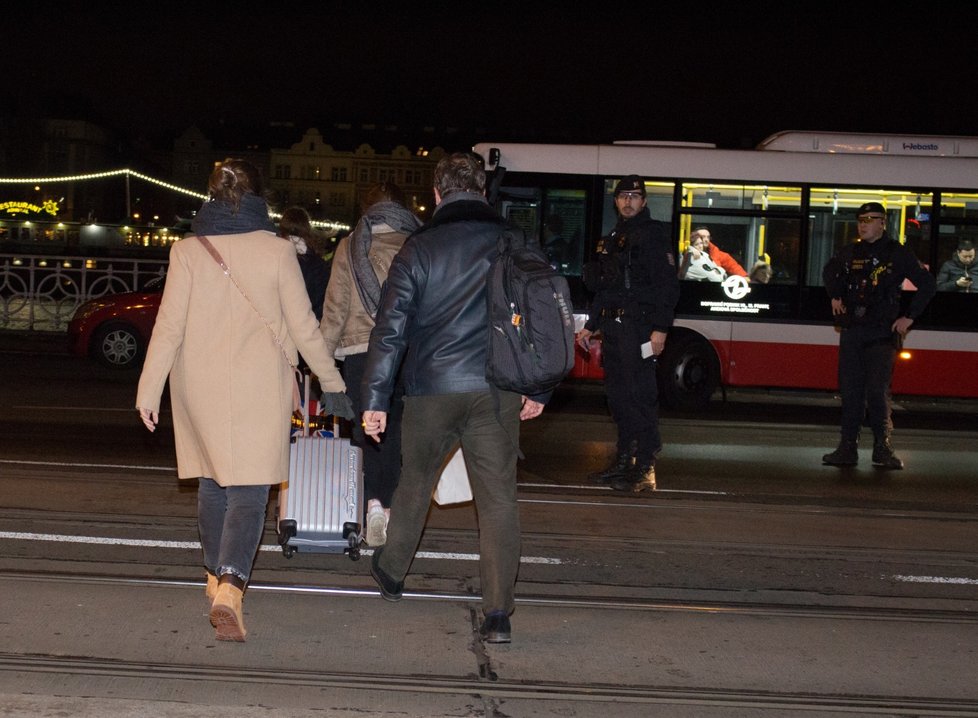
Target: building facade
point(329, 183)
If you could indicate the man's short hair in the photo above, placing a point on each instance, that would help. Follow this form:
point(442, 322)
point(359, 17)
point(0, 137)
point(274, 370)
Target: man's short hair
point(965, 244)
point(459, 172)
point(385, 191)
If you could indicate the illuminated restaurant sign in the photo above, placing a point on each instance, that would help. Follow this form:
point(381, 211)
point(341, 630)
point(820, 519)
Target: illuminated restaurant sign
point(19, 209)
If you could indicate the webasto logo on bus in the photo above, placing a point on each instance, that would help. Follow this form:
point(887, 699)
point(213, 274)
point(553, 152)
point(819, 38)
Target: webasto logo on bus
point(919, 146)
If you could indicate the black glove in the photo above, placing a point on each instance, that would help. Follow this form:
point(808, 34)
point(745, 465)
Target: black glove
point(336, 403)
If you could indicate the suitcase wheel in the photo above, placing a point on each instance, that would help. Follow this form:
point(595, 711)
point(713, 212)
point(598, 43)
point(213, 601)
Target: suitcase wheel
point(286, 531)
point(351, 532)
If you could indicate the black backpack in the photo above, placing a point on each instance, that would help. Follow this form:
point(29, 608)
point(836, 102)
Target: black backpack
point(531, 320)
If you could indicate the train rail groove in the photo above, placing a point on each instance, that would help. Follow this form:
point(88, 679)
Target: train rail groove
point(487, 688)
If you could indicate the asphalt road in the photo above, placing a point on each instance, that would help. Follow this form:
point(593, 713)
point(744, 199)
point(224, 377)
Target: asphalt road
point(755, 582)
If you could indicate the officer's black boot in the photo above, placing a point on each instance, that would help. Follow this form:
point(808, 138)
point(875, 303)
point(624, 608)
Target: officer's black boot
point(846, 455)
point(622, 463)
point(883, 455)
point(638, 478)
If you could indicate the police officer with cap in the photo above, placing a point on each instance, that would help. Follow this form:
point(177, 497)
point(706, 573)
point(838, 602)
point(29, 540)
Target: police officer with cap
point(864, 280)
point(635, 288)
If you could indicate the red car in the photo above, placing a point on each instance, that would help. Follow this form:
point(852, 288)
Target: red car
point(116, 328)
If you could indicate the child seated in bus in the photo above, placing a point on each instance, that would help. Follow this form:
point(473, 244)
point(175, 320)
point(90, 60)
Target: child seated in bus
point(696, 263)
point(760, 273)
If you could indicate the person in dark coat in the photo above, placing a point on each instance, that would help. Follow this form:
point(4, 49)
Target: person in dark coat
point(433, 316)
point(296, 227)
point(958, 273)
point(863, 281)
point(636, 288)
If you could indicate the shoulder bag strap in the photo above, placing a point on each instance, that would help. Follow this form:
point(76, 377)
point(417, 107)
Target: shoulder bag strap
point(212, 250)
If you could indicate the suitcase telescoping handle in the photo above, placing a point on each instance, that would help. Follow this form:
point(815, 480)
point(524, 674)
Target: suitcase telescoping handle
point(306, 420)
point(306, 383)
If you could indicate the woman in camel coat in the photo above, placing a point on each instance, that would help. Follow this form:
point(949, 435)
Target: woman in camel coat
point(231, 388)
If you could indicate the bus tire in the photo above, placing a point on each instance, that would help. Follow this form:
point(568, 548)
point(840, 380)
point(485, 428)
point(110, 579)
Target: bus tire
point(688, 372)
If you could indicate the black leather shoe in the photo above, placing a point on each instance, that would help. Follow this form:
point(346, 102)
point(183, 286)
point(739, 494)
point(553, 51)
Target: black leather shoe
point(389, 588)
point(617, 469)
point(637, 479)
point(496, 628)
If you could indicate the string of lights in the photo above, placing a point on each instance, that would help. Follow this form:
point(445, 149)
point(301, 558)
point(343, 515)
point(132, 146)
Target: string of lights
point(146, 178)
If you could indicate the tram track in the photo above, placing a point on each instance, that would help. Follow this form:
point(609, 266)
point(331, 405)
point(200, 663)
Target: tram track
point(755, 609)
point(490, 688)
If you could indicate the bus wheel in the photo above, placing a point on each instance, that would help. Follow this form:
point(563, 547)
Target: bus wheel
point(688, 372)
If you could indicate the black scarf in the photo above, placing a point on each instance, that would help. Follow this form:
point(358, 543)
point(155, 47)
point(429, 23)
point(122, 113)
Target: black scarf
point(398, 218)
point(217, 217)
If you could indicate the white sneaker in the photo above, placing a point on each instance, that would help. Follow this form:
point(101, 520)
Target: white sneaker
point(376, 526)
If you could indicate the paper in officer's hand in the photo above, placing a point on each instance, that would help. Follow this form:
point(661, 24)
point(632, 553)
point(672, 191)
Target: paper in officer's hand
point(647, 350)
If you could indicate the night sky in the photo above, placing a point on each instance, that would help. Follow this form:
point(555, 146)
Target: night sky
point(592, 72)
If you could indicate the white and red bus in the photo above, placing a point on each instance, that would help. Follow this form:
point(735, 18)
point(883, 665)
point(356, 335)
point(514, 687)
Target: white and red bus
point(791, 204)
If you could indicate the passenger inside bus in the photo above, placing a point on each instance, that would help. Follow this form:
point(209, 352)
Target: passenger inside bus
point(957, 274)
point(696, 264)
point(760, 273)
point(723, 260)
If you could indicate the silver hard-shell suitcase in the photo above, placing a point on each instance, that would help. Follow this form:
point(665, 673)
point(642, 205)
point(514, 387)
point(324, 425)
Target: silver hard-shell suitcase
point(320, 509)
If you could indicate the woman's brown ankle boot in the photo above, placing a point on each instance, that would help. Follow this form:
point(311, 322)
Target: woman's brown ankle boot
point(226, 614)
point(210, 590)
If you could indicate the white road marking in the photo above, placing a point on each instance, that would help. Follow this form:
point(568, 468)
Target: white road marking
point(937, 579)
point(76, 464)
point(195, 545)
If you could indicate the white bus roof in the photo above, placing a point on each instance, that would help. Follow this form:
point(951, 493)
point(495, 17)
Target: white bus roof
point(695, 163)
point(864, 143)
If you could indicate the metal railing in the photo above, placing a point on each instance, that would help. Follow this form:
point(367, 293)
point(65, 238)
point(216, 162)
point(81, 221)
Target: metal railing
point(42, 292)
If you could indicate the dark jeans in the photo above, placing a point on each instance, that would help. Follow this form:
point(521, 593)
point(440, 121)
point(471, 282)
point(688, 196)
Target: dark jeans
point(231, 521)
point(381, 461)
point(865, 369)
point(432, 426)
point(630, 385)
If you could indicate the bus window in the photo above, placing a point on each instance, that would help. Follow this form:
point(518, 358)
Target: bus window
point(729, 237)
point(697, 195)
point(563, 229)
point(740, 243)
point(957, 239)
point(553, 217)
point(781, 250)
point(521, 206)
point(832, 220)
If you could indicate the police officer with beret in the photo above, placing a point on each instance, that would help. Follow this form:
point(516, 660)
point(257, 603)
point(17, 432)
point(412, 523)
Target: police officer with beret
point(864, 280)
point(635, 288)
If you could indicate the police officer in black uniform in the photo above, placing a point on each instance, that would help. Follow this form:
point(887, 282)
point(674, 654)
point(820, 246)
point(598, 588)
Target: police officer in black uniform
point(863, 281)
point(636, 288)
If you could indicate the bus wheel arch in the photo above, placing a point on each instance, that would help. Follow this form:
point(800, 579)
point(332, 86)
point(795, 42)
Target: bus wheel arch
point(688, 370)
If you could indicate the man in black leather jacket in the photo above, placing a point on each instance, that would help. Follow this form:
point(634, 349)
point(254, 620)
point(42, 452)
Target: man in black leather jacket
point(433, 315)
point(636, 288)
